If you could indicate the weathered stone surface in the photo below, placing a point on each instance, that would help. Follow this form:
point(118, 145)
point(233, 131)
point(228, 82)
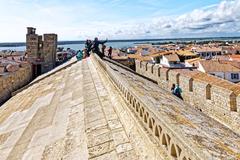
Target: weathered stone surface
point(215, 97)
point(15, 79)
point(66, 115)
point(159, 111)
point(96, 110)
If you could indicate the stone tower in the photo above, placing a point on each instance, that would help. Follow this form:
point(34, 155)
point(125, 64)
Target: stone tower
point(41, 51)
point(32, 43)
point(49, 50)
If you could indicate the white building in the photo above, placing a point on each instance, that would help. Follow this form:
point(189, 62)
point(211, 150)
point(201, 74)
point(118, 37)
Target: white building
point(171, 61)
point(207, 52)
point(131, 50)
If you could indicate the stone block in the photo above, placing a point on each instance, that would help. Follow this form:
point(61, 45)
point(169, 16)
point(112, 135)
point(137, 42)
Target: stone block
point(101, 149)
point(186, 83)
point(149, 72)
point(222, 97)
point(95, 140)
point(174, 76)
point(2, 69)
point(156, 72)
point(138, 66)
point(144, 66)
point(119, 137)
point(163, 81)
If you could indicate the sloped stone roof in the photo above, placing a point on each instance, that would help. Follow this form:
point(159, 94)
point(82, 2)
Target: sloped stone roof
point(66, 115)
point(77, 113)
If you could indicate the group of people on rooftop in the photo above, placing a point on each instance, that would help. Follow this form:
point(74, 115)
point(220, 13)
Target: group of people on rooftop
point(94, 47)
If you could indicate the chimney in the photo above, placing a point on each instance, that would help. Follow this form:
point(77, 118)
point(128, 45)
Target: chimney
point(31, 30)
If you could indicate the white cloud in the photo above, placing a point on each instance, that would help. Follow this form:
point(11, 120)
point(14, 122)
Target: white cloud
point(223, 18)
point(81, 21)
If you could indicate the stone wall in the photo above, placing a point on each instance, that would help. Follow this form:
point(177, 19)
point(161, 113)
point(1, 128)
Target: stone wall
point(13, 81)
point(216, 97)
point(169, 134)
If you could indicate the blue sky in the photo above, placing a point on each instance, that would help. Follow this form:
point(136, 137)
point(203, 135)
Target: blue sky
point(119, 19)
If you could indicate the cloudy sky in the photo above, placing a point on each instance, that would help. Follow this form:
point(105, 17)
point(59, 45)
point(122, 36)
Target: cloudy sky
point(119, 19)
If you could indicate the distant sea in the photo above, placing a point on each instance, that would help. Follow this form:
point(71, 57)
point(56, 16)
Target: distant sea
point(79, 45)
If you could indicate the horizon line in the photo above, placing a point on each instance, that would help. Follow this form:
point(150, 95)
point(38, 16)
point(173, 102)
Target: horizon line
point(140, 39)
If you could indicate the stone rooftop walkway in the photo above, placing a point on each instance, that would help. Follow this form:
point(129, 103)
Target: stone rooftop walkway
point(67, 115)
point(207, 137)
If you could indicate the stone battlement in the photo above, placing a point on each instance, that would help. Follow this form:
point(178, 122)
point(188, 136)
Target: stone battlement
point(14, 81)
point(216, 97)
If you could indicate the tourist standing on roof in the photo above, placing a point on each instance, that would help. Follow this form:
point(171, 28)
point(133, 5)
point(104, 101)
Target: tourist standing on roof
point(110, 52)
point(95, 47)
point(103, 49)
point(88, 46)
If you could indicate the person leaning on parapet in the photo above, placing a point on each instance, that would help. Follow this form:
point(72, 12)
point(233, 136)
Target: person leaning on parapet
point(178, 92)
point(95, 47)
point(79, 55)
point(88, 46)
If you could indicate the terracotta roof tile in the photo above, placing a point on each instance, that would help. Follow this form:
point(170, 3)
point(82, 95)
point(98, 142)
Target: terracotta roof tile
point(218, 66)
point(185, 53)
point(147, 57)
point(172, 57)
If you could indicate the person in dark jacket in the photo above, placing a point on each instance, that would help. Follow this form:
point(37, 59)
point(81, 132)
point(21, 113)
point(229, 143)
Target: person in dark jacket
point(110, 52)
point(95, 47)
point(88, 46)
point(178, 92)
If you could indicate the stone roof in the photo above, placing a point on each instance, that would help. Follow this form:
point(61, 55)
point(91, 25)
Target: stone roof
point(76, 112)
point(66, 115)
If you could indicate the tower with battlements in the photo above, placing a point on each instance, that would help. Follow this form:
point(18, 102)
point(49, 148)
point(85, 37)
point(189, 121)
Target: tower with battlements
point(41, 51)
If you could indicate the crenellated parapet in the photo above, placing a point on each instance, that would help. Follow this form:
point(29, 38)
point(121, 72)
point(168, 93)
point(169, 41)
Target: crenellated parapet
point(182, 131)
point(216, 97)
